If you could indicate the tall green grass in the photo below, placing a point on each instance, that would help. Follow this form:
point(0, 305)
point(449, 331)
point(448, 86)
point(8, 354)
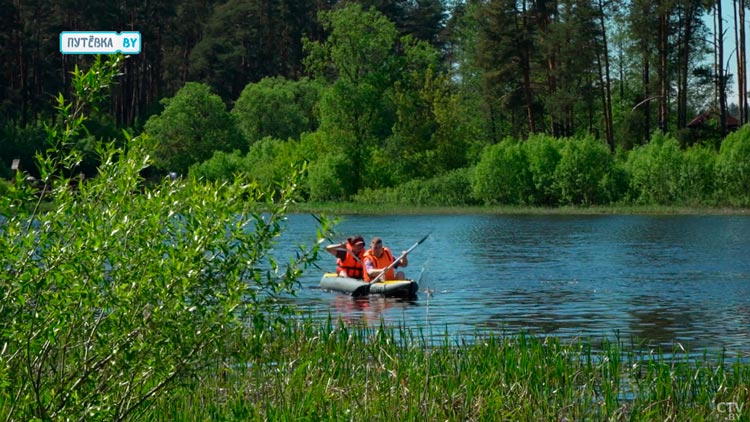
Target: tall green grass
point(343, 373)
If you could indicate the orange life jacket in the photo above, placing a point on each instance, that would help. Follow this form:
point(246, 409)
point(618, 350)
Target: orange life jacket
point(385, 260)
point(350, 264)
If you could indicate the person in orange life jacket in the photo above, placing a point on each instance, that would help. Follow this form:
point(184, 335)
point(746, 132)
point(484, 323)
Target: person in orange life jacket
point(377, 258)
point(349, 256)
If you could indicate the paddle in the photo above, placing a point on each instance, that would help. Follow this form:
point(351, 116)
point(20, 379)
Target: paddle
point(365, 289)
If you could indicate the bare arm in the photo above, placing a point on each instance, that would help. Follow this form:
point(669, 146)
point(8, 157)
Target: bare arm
point(403, 262)
point(335, 249)
point(371, 270)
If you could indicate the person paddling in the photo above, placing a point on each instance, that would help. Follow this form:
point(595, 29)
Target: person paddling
point(349, 257)
point(379, 257)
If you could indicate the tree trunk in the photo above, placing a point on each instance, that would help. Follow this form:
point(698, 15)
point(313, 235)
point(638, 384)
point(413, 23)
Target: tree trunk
point(21, 81)
point(526, 69)
point(720, 79)
point(605, 80)
point(741, 58)
point(663, 74)
point(556, 114)
point(646, 95)
point(684, 63)
point(742, 73)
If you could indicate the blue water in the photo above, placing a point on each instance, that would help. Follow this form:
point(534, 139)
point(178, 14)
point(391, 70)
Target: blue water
point(659, 280)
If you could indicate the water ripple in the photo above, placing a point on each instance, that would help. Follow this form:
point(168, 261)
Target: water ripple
point(657, 279)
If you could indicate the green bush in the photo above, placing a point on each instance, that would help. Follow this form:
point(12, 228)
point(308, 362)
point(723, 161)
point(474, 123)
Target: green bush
point(276, 107)
point(4, 187)
point(124, 292)
point(543, 155)
point(618, 180)
point(192, 126)
point(502, 175)
point(221, 166)
point(547, 171)
point(698, 176)
point(267, 162)
point(270, 160)
point(655, 170)
point(447, 190)
point(733, 167)
point(584, 175)
point(329, 178)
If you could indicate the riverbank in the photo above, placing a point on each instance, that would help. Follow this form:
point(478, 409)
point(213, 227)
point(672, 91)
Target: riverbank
point(350, 208)
point(345, 373)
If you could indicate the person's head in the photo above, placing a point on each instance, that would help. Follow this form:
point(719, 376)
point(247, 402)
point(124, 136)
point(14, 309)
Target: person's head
point(376, 244)
point(357, 242)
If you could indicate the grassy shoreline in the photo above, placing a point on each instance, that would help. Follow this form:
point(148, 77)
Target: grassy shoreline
point(345, 373)
point(351, 208)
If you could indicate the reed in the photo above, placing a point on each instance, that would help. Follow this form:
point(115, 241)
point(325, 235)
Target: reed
point(337, 372)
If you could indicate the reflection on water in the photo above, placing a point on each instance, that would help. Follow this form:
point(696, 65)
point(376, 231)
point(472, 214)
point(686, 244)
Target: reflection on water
point(657, 279)
point(368, 311)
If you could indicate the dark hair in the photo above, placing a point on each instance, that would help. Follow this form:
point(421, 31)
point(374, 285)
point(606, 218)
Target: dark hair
point(356, 239)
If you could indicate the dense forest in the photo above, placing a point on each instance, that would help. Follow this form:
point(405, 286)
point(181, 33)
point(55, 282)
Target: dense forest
point(440, 102)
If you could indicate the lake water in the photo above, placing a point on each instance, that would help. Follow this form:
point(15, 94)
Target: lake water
point(658, 279)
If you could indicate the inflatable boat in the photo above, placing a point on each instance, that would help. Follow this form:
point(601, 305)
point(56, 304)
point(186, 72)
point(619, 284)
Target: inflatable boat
point(358, 288)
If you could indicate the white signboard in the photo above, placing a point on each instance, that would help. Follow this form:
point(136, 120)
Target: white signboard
point(100, 42)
